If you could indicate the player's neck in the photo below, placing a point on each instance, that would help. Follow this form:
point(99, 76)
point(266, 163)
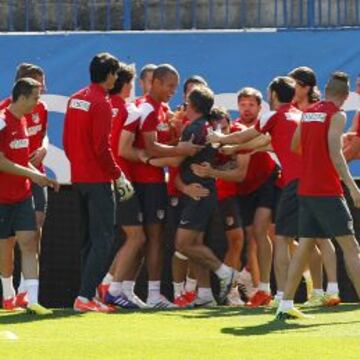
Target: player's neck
point(155, 96)
point(194, 116)
point(16, 110)
point(335, 101)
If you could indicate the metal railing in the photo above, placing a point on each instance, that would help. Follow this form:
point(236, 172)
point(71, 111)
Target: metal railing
point(106, 15)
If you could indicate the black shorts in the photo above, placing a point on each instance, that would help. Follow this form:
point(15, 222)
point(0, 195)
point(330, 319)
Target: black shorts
point(17, 217)
point(324, 217)
point(230, 213)
point(287, 215)
point(197, 215)
point(175, 207)
point(263, 197)
point(40, 196)
point(277, 196)
point(128, 213)
point(153, 201)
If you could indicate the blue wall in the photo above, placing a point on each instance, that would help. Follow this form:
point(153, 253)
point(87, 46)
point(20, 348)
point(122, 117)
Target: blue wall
point(228, 60)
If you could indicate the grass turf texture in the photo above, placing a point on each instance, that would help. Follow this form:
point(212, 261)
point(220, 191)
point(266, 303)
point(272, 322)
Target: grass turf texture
point(217, 333)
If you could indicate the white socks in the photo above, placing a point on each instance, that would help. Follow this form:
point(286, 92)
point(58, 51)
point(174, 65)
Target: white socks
point(286, 305)
point(190, 285)
point(223, 271)
point(21, 288)
point(205, 293)
point(32, 288)
point(128, 288)
point(7, 288)
point(154, 289)
point(107, 279)
point(115, 288)
point(264, 287)
point(332, 288)
point(178, 289)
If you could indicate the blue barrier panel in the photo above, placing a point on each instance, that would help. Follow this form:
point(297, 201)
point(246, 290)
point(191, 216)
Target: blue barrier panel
point(228, 60)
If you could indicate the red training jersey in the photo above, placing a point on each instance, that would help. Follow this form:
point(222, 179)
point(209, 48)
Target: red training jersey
point(14, 144)
point(281, 125)
point(86, 137)
point(318, 176)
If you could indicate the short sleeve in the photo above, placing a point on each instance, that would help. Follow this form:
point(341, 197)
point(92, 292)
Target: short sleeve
point(266, 122)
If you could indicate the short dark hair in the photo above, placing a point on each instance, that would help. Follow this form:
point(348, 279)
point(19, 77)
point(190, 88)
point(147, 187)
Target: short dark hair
point(338, 84)
point(24, 86)
point(305, 76)
point(284, 88)
point(201, 99)
point(28, 70)
point(218, 113)
point(147, 68)
point(163, 70)
point(194, 79)
point(125, 74)
point(247, 92)
point(101, 66)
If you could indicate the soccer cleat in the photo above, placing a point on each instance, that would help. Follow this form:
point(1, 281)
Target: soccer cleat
point(181, 301)
point(205, 303)
point(160, 303)
point(10, 304)
point(245, 284)
point(82, 306)
point(233, 298)
point(104, 308)
point(38, 309)
point(331, 300)
point(274, 303)
point(190, 296)
point(225, 286)
point(121, 301)
point(315, 300)
point(21, 300)
point(102, 291)
point(260, 298)
point(292, 314)
point(137, 301)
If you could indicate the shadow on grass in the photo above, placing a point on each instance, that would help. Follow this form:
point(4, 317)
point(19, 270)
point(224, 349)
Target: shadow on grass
point(275, 326)
point(17, 317)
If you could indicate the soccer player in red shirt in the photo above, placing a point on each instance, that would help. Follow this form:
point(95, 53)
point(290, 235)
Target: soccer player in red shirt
point(323, 211)
point(86, 140)
point(145, 78)
point(17, 214)
point(37, 122)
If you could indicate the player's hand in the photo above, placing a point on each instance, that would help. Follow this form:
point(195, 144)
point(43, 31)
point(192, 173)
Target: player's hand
point(142, 155)
point(188, 148)
point(214, 137)
point(228, 150)
point(42, 180)
point(196, 191)
point(355, 196)
point(37, 156)
point(124, 187)
point(202, 170)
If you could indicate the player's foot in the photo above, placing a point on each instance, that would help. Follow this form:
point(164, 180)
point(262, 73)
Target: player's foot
point(10, 304)
point(137, 301)
point(38, 309)
point(233, 298)
point(245, 284)
point(82, 306)
point(260, 298)
point(275, 302)
point(315, 300)
point(160, 303)
point(205, 302)
point(181, 301)
point(102, 291)
point(121, 301)
point(331, 300)
point(292, 314)
point(21, 300)
point(225, 286)
point(190, 296)
point(104, 308)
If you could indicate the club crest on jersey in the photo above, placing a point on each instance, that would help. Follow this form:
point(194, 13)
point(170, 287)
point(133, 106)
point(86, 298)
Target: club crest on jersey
point(33, 130)
point(19, 144)
point(314, 117)
point(174, 201)
point(163, 127)
point(79, 104)
point(160, 214)
point(35, 118)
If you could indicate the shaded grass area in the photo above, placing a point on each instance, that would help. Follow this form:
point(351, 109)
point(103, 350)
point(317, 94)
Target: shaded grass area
point(216, 333)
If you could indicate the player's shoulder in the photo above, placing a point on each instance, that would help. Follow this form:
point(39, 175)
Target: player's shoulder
point(2, 120)
point(145, 109)
point(267, 117)
point(42, 106)
point(133, 113)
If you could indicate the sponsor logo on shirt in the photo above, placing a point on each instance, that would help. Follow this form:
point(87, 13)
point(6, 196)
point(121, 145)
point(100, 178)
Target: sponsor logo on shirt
point(293, 116)
point(314, 117)
point(33, 130)
point(79, 104)
point(35, 118)
point(19, 144)
point(162, 127)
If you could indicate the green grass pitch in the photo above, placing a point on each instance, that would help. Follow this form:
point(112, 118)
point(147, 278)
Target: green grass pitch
point(216, 333)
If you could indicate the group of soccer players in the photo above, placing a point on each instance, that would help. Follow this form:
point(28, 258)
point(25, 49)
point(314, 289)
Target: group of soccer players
point(274, 180)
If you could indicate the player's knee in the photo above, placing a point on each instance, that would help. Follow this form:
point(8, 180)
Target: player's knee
point(28, 243)
point(181, 247)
